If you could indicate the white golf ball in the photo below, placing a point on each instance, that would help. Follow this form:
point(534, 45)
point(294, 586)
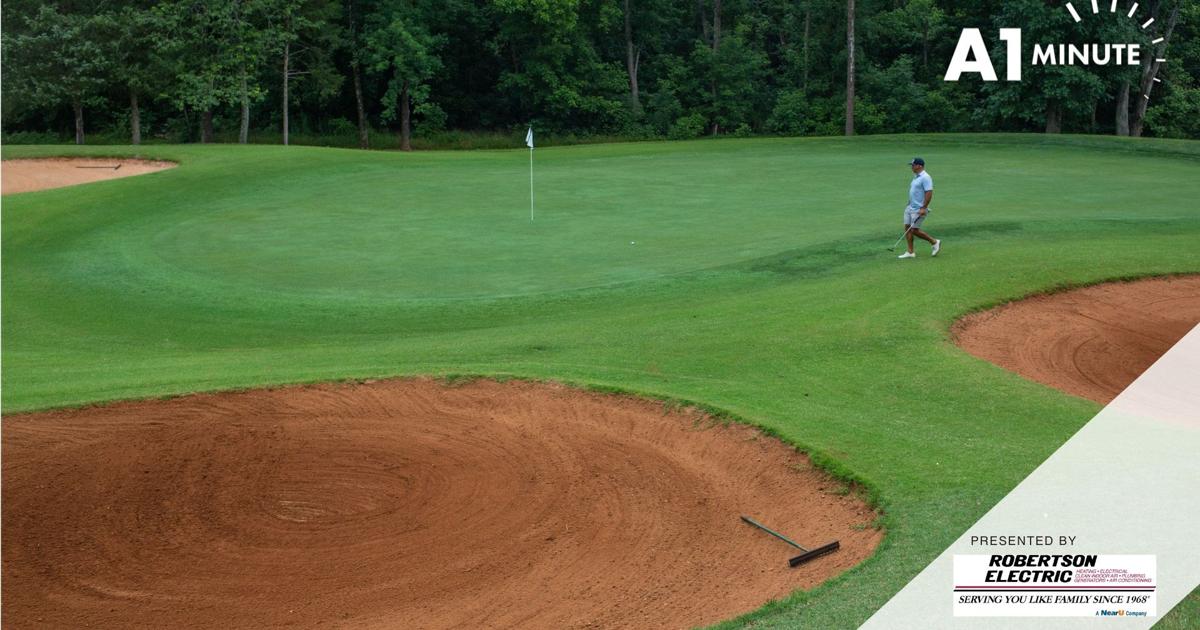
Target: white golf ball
point(631, 242)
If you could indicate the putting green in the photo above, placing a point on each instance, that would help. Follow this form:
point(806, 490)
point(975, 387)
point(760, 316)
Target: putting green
point(751, 275)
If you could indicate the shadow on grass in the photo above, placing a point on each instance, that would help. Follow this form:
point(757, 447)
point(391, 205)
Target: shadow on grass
point(829, 258)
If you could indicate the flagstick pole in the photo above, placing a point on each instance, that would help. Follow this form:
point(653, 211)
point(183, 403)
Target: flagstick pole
point(531, 184)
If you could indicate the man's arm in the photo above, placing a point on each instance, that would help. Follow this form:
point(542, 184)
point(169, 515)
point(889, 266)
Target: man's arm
point(928, 197)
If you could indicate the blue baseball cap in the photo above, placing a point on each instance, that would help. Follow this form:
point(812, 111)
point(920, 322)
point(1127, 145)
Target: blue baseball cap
point(917, 161)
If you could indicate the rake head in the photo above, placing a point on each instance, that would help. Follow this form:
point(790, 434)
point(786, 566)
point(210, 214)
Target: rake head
point(814, 553)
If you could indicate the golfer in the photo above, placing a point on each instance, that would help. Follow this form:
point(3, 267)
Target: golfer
point(920, 193)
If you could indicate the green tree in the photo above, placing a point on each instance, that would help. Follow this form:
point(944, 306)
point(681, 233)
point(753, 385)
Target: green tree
point(1174, 101)
point(552, 70)
point(850, 76)
point(1045, 93)
point(405, 52)
point(1151, 65)
point(304, 34)
point(206, 68)
point(60, 59)
point(138, 66)
point(246, 41)
point(795, 114)
point(733, 75)
point(353, 11)
point(1178, 115)
point(909, 29)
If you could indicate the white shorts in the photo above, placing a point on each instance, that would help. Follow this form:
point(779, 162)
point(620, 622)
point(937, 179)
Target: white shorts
point(913, 217)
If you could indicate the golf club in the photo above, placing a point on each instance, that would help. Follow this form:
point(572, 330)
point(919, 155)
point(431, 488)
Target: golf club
point(808, 554)
point(897, 243)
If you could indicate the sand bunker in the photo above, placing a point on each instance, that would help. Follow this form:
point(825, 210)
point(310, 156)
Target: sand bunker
point(406, 504)
point(20, 176)
point(1090, 342)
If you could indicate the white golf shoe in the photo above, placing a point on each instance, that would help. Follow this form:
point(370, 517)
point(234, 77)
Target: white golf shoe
point(907, 255)
point(936, 246)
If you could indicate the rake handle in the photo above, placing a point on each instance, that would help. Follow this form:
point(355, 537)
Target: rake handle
point(774, 533)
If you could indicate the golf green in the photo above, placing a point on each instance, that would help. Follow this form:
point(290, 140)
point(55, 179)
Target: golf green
point(752, 276)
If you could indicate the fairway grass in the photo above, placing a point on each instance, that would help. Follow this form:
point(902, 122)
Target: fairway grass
point(748, 275)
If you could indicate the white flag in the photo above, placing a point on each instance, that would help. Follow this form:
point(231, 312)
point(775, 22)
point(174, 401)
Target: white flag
point(529, 138)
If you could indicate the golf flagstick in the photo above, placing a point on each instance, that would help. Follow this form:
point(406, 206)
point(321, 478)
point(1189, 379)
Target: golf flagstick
point(529, 143)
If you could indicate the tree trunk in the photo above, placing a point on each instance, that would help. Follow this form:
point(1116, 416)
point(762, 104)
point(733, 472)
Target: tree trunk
point(363, 140)
point(1150, 74)
point(1053, 117)
point(287, 49)
point(135, 118)
point(704, 30)
point(206, 127)
point(632, 56)
point(244, 130)
point(77, 105)
point(850, 67)
point(716, 46)
point(716, 33)
point(925, 47)
point(807, 24)
point(1123, 109)
point(405, 119)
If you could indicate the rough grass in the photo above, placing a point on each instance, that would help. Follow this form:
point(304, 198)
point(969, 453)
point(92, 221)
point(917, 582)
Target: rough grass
point(748, 275)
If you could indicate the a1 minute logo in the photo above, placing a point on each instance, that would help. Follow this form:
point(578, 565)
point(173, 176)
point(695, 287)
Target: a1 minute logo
point(971, 54)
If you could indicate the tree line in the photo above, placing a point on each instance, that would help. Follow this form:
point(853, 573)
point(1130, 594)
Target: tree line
point(183, 70)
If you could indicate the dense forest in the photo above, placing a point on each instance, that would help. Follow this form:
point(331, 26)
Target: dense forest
point(366, 70)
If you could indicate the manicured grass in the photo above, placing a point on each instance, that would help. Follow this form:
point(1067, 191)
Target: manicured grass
point(750, 275)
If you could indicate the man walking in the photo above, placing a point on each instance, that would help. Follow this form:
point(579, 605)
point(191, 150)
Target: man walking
point(920, 193)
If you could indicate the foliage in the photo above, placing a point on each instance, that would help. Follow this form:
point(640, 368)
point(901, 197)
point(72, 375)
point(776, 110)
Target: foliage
point(725, 80)
point(773, 66)
point(687, 127)
point(1178, 116)
point(796, 115)
point(313, 31)
point(432, 119)
point(201, 40)
point(59, 58)
point(404, 51)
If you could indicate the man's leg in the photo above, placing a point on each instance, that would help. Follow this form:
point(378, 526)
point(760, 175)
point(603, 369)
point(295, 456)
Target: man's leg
point(937, 245)
point(908, 236)
point(919, 233)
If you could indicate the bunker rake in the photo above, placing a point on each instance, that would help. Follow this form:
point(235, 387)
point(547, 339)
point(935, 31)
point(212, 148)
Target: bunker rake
point(809, 554)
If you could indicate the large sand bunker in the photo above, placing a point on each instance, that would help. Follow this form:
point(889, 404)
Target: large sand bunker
point(406, 504)
point(1090, 342)
point(18, 176)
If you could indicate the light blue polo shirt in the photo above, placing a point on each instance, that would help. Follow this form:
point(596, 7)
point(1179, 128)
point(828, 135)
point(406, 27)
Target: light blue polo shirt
point(916, 190)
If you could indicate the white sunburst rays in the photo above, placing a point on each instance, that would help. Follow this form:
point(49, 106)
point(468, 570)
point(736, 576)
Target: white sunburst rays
point(1112, 8)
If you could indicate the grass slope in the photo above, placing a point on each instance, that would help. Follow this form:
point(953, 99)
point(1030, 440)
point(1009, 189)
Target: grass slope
point(751, 275)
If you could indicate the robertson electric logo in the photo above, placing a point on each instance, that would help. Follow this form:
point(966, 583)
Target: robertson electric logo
point(1054, 585)
point(971, 53)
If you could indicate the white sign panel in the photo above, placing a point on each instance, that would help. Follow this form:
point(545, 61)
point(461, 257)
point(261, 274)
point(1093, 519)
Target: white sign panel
point(1054, 585)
